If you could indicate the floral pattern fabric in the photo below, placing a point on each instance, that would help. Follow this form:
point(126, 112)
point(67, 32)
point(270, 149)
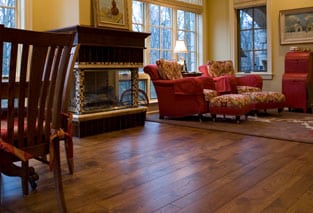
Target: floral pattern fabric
point(246, 89)
point(209, 94)
point(220, 68)
point(236, 101)
point(266, 97)
point(169, 70)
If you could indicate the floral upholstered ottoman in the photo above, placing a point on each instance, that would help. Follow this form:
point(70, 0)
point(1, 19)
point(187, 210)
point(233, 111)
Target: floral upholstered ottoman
point(230, 104)
point(267, 100)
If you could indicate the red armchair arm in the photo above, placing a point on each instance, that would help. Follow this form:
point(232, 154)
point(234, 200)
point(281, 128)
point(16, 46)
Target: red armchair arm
point(204, 69)
point(182, 97)
point(187, 86)
point(252, 80)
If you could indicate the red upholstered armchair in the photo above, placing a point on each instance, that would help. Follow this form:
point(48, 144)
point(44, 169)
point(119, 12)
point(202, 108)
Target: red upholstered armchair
point(224, 77)
point(179, 97)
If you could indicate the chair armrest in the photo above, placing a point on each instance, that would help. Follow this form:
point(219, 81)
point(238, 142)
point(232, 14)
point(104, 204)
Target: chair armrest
point(225, 84)
point(187, 86)
point(204, 70)
point(252, 80)
point(152, 71)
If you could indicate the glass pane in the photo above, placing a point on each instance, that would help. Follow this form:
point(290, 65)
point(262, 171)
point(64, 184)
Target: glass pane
point(154, 55)
point(166, 17)
point(260, 39)
point(246, 40)
point(246, 63)
point(10, 3)
point(181, 35)
point(7, 17)
point(155, 37)
point(152, 92)
point(190, 21)
point(260, 17)
point(142, 84)
point(167, 54)
point(6, 59)
point(167, 39)
point(180, 19)
point(137, 14)
point(154, 15)
point(186, 20)
point(246, 18)
point(191, 63)
point(260, 61)
point(137, 28)
point(191, 41)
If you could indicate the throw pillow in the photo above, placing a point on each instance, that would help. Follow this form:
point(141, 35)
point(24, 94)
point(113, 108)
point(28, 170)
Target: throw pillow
point(169, 70)
point(220, 68)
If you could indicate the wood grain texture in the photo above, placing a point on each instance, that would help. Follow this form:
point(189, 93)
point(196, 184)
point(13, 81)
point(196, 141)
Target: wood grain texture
point(167, 168)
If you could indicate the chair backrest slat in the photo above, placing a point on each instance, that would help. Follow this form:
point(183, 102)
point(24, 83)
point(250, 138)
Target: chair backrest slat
point(36, 64)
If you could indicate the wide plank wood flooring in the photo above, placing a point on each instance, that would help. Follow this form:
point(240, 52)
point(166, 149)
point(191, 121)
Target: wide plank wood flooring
point(166, 168)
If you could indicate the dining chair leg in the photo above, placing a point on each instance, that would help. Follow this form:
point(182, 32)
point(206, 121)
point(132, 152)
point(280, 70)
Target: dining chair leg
point(25, 176)
point(10, 169)
point(0, 190)
point(58, 177)
point(69, 157)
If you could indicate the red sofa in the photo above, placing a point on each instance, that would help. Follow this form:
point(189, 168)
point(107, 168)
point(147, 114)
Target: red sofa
point(180, 97)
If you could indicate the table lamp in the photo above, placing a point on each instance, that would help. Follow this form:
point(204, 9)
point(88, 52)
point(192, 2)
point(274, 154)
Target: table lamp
point(180, 47)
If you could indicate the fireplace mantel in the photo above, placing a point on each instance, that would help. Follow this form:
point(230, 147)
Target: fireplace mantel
point(104, 49)
point(108, 46)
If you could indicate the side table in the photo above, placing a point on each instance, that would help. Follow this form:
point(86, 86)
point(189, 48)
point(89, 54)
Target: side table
point(191, 74)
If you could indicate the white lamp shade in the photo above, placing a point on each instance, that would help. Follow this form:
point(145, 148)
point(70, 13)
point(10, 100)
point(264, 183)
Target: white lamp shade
point(180, 47)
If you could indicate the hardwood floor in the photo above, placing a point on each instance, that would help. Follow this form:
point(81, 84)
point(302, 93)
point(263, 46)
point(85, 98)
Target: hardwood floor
point(165, 168)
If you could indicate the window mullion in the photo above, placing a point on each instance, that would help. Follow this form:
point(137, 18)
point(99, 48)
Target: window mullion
point(147, 26)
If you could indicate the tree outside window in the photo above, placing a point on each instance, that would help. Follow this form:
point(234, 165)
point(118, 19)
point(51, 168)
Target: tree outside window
point(252, 34)
point(7, 18)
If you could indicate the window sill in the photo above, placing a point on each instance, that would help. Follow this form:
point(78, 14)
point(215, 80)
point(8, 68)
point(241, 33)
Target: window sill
point(265, 75)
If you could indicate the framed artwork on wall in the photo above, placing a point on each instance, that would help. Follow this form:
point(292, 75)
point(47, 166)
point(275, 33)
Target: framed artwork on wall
point(296, 26)
point(111, 13)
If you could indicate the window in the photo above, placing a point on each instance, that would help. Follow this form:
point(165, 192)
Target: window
point(252, 38)
point(13, 12)
point(11, 15)
point(8, 13)
point(8, 18)
point(167, 23)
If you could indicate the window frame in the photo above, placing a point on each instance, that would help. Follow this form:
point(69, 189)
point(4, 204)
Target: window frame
point(23, 14)
point(239, 4)
point(188, 7)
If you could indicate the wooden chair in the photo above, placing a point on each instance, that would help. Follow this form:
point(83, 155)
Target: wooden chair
point(35, 73)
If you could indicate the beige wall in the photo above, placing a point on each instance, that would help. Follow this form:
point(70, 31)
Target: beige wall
point(48, 15)
point(218, 35)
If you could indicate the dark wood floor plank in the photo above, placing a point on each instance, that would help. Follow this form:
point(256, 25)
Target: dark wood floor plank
point(167, 168)
point(272, 186)
point(230, 185)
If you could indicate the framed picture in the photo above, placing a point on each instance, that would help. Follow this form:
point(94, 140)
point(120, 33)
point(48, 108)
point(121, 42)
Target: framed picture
point(111, 13)
point(296, 26)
